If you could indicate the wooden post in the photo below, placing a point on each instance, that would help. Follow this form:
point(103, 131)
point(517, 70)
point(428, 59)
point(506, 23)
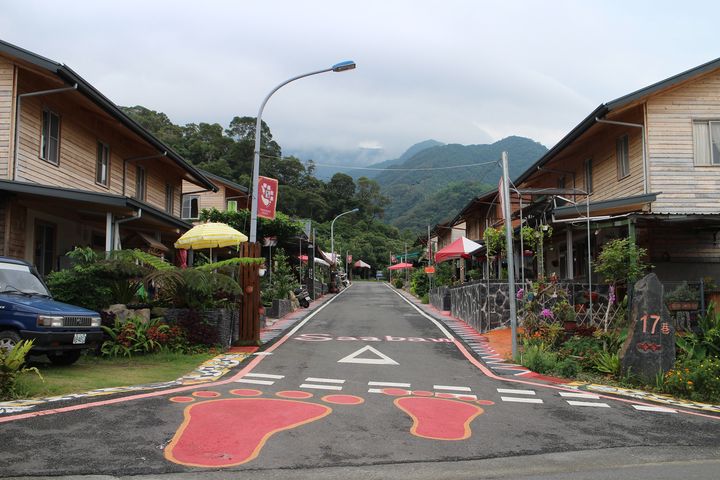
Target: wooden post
point(250, 304)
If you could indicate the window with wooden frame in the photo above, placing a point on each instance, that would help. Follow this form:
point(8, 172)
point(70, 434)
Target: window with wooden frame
point(50, 137)
point(190, 207)
point(622, 152)
point(706, 142)
point(588, 176)
point(102, 168)
point(169, 198)
point(140, 183)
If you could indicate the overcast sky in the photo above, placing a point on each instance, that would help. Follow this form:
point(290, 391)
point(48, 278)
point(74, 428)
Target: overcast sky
point(457, 71)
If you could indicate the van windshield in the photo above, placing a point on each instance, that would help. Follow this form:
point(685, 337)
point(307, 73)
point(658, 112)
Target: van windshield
point(19, 279)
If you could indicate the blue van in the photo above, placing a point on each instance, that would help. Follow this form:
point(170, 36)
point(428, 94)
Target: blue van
point(28, 312)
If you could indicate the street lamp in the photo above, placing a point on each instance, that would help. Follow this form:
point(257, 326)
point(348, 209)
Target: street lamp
point(338, 67)
point(332, 236)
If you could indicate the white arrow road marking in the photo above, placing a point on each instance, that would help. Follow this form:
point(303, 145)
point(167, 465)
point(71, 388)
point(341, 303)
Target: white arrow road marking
point(381, 360)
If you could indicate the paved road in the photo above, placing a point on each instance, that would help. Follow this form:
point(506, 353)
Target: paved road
point(366, 381)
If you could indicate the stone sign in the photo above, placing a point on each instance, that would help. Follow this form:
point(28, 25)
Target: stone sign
point(650, 346)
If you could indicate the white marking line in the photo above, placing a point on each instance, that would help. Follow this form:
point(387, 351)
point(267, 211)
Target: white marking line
point(522, 373)
point(264, 375)
point(521, 400)
point(388, 384)
point(516, 392)
point(579, 395)
point(449, 387)
point(320, 387)
point(375, 390)
point(588, 404)
point(647, 408)
point(381, 360)
point(262, 354)
point(462, 396)
point(255, 382)
point(327, 380)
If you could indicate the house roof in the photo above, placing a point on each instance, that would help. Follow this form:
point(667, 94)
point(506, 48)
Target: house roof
point(229, 183)
point(66, 74)
point(94, 198)
point(605, 108)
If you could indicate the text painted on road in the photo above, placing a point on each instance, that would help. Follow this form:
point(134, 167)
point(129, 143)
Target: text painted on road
point(324, 337)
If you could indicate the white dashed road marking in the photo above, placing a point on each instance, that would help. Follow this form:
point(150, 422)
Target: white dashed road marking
point(264, 375)
point(521, 400)
point(647, 408)
point(587, 404)
point(449, 387)
point(516, 392)
point(388, 384)
point(254, 382)
point(324, 380)
point(320, 387)
point(579, 395)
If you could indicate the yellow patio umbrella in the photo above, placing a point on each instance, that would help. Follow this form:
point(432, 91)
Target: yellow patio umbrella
point(210, 235)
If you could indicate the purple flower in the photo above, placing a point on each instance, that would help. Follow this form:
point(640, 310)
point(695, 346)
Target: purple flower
point(611, 295)
point(520, 294)
point(547, 313)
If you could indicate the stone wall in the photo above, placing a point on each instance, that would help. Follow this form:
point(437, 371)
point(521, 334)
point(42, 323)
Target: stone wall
point(440, 298)
point(482, 306)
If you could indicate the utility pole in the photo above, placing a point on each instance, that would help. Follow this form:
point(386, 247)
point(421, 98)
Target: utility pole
point(510, 254)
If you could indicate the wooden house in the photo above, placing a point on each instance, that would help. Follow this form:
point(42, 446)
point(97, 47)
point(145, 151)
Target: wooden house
point(228, 196)
point(76, 171)
point(644, 166)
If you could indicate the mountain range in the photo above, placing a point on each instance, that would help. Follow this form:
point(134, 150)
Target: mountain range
point(431, 182)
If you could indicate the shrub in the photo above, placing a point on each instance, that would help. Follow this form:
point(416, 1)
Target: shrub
point(130, 337)
point(606, 362)
point(11, 366)
point(425, 299)
point(398, 283)
point(705, 341)
point(620, 262)
point(698, 380)
point(283, 280)
point(538, 357)
point(419, 284)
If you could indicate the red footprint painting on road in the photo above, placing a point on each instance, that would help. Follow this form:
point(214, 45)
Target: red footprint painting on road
point(232, 431)
point(438, 418)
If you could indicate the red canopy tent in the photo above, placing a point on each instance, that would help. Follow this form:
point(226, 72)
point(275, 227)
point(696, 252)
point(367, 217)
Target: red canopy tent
point(401, 266)
point(361, 264)
point(460, 248)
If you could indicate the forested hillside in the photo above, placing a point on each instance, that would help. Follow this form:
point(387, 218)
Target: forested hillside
point(433, 184)
point(428, 184)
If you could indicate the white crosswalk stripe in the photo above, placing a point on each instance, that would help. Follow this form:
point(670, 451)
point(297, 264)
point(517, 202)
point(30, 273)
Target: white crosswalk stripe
point(320, 387)
point(579, 395)
point(521, 399)
point(516, 392)
point(648, 408)
point(450, 387)
point(588, 404)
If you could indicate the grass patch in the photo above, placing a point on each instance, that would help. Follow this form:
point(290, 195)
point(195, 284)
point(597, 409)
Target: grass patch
point(92, 372)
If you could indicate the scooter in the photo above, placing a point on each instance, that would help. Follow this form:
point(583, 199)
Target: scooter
point(303, 296)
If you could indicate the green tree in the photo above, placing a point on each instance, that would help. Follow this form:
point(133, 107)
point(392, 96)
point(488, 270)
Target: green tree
point(340, 191)
point(283, 279)
point(369, 199)
point(620, 261)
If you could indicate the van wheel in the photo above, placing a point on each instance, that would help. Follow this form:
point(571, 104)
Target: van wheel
point(64, 358)
point(8, 339)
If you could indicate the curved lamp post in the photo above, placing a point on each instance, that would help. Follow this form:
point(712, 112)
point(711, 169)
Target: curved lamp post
point(332, 236)
point(338, 67)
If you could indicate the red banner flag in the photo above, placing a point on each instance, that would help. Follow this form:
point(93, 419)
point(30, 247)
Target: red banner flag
point(349, 258)
point(267, 197)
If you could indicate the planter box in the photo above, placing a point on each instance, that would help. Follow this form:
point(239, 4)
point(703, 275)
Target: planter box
point(225, 320)
point(683, 306)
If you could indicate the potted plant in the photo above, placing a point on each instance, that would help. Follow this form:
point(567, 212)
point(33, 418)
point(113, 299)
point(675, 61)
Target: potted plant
point(683, 297)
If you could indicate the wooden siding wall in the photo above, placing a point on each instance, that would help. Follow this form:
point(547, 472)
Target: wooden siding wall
point(80, 130)
point(600, 145)
point(685, 188)
point(7, 80)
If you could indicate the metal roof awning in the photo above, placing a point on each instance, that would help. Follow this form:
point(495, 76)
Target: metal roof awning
point(605, 207)
point(152, 242)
